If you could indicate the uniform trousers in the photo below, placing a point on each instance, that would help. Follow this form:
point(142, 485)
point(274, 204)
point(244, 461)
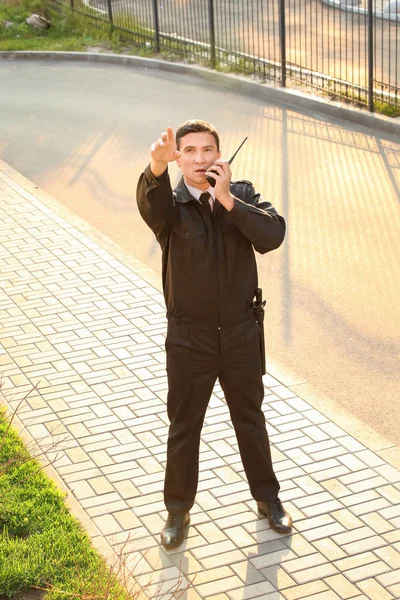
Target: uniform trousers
point(196, 357)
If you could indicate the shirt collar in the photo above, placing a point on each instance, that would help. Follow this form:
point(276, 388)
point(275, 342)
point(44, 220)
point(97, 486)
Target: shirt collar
point(196, 193)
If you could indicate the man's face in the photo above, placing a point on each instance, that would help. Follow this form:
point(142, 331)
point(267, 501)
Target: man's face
point(199, 151)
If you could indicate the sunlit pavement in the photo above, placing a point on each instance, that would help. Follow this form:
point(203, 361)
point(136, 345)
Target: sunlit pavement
point(82, 132)
point(82, 325)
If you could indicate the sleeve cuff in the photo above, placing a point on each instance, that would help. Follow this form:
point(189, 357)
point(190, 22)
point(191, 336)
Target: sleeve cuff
point(239, 211)
point(152, 180)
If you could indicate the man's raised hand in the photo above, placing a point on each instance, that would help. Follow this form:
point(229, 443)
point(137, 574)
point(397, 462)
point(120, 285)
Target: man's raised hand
point(163, 151)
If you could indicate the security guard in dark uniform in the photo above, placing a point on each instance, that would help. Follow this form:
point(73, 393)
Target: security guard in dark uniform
point(208, 235)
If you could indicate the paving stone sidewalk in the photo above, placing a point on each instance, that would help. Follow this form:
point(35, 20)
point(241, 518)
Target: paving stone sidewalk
point(91, 332)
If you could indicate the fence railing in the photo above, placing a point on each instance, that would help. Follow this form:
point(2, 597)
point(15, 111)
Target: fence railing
point(346, 48)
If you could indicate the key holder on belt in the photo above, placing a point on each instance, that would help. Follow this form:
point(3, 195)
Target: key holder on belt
point(259, 310)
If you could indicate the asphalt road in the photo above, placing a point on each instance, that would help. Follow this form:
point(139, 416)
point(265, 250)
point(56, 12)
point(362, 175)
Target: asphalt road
point(82, 132)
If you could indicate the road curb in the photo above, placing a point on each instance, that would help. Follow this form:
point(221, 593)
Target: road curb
point(291, 98)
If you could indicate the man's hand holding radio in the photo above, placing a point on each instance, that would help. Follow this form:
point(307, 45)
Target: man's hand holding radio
point(221, 172)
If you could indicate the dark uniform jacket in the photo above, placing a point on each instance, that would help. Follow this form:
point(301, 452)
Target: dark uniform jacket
point(209, 270)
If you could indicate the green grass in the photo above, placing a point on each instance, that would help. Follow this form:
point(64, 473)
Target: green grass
point(390, 110)
point(68, 31)
point(361, 101)
point(41, 544)
point(73, 31)
point(69, 44)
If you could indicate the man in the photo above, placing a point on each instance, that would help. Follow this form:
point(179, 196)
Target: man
point(207, 235)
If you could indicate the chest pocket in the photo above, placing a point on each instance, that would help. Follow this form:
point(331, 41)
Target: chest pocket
point(188, 231)
point(233, 240)
point(189, 240)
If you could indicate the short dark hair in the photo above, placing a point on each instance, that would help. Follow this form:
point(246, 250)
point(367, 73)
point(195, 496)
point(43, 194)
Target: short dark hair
point(195, 126)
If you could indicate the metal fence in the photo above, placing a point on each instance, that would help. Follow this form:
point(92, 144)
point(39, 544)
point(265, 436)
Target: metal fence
point(346, 48)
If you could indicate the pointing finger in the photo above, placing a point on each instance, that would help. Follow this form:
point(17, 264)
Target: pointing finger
point(170, 134)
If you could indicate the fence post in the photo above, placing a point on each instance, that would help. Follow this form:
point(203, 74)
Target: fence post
point(211, 21)
point(156, 25)
point(110, 15)
point(282, 40)
point(72, 4)
point(370, 56)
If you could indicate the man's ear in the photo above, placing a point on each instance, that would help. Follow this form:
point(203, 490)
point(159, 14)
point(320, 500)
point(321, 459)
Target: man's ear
point(219, 153)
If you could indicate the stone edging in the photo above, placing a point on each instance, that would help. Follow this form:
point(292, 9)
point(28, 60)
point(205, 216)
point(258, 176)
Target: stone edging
point(290, 98)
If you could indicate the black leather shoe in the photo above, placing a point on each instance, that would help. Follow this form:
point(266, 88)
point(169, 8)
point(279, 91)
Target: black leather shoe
point(277, 516)
point(174, 530)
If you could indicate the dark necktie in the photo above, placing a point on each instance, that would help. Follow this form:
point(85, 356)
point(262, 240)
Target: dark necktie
point(204, 199)
point(207, 212)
